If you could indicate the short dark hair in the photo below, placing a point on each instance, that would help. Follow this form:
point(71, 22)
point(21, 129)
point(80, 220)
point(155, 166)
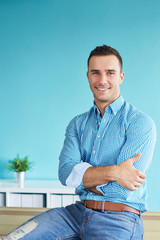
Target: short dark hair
point(104, 51)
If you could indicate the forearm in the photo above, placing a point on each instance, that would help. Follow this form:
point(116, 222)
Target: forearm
point(95, 176)
point(125, 174)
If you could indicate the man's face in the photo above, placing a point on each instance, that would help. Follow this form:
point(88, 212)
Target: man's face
point(105, 76)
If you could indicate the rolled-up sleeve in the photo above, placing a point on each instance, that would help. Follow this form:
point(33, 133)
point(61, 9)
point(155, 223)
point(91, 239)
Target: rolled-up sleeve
point(75, 178)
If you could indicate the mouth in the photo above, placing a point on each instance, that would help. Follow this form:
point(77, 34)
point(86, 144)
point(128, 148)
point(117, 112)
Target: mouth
point(103, 89)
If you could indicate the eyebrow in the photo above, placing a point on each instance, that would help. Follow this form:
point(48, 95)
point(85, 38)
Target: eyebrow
point(111, 70)
point(94, 70)
point(107, 70)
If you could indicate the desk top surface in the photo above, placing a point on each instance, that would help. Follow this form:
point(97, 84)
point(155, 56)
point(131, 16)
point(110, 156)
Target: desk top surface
point(39, 186)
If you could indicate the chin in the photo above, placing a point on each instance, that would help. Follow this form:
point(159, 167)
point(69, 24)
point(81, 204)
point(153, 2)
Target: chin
point(102, 100)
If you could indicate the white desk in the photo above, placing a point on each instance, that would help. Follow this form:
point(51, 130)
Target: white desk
point(36, 193)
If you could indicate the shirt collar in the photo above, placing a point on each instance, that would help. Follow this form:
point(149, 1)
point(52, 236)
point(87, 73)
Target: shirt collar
point(96, 110)
point(115, 106)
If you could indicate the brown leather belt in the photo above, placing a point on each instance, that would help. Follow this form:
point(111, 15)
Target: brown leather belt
point(120, 207)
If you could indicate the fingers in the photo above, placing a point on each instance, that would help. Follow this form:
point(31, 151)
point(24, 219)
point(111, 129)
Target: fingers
point(142, 175)
point(133, 188)
point(131, 177)
point(136, 157)
point(141, 180)
point(138, 183)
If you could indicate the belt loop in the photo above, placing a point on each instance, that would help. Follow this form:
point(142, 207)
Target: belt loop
point(102, 206)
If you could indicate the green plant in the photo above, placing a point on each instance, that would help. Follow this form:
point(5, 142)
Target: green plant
point(19, 164)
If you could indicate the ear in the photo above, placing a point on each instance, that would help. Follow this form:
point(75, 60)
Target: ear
point(121, 77)
point(87, 74)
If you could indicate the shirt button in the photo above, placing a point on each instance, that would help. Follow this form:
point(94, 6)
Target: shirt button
point(91, 193)
point(104, 120)
point(115, 113)
point(98, 136)
point(94, 151)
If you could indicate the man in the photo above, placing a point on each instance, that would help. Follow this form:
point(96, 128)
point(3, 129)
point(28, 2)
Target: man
point(106, 155)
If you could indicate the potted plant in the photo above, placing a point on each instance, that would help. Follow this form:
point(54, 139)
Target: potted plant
point(19, 166)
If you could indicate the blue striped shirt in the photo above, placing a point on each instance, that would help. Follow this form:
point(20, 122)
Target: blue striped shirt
point(92, 140)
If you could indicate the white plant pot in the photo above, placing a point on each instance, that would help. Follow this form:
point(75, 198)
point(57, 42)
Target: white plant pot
point(19, 178)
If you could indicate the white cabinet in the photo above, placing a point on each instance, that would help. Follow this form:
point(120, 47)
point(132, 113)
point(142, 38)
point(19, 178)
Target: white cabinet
point(2, 199)
point(36, 193)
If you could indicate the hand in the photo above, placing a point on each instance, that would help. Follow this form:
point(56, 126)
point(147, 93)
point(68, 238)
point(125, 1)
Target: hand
point(128, 176)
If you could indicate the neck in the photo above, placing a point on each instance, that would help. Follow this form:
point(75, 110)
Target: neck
point(102, 107)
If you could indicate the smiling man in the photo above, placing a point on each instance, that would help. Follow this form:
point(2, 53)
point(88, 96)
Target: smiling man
point(106, 156)
point(107, 153)
point(105, 76)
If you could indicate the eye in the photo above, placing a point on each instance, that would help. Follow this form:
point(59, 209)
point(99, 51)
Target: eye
point(111, 73)
point(95, 73)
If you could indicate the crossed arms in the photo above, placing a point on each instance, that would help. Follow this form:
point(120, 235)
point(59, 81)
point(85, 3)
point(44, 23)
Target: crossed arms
point(132, 164)
point(125, 174)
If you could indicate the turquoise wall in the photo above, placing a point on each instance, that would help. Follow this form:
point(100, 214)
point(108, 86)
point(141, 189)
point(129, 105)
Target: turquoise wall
point(44, 46)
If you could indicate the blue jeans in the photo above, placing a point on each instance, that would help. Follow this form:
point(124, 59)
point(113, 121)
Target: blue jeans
point(78, 222)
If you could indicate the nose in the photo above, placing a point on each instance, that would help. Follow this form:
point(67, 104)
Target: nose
point(103, 78)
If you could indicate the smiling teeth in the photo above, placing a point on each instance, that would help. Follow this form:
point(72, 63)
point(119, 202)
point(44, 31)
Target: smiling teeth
point(102, 89)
